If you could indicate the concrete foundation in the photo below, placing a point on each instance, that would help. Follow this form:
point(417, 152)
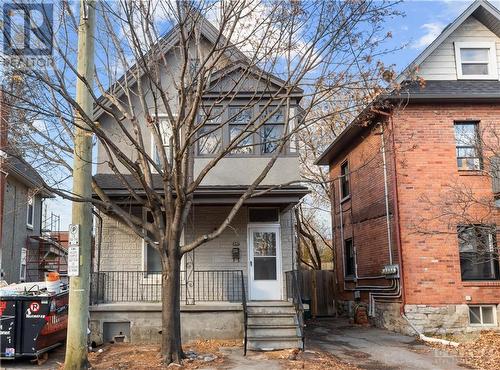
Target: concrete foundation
point(211, 321)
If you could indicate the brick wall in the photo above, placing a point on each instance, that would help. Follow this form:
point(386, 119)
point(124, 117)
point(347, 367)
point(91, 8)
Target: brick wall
point(364, 213)
point(428, 185)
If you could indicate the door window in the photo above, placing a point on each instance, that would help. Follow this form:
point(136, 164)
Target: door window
point(264, 252)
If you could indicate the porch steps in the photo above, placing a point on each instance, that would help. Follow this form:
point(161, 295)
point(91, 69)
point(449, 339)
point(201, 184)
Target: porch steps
point(272, 325)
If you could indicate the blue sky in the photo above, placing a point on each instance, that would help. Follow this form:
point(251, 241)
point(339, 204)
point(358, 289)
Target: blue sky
point(422, 23)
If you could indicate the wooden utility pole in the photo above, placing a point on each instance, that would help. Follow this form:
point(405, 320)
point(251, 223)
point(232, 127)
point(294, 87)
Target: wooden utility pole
point(76, 344)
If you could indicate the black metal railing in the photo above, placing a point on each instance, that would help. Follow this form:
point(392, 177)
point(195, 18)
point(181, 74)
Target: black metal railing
point(142, 286)
point(245, 314)
point(293, 293)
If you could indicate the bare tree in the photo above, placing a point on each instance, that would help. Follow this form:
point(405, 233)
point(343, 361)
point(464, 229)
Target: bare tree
point(300, 46)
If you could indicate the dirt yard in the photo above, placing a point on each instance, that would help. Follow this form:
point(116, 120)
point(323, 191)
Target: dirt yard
point(212, 354)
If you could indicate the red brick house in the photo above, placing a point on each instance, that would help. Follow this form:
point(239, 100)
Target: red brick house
point(416, 210)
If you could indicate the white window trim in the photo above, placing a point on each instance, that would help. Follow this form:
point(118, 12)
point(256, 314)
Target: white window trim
point(493, 308)
point(492, 62)
point(153, 146)
point(23, 262)
point(31, 197)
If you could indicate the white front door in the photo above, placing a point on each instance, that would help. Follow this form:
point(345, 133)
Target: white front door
point(264, 252)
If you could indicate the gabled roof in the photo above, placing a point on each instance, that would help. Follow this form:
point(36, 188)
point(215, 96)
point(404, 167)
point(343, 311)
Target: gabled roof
point(171, 39)
point(17, 167)
point(482, 10)
point(449, 90)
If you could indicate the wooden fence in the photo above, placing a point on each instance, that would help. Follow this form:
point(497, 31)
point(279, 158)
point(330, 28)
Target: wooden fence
point(317, 286)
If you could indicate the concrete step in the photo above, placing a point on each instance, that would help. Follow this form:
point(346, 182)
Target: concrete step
point(272, 320)
point(271, 310)
point(269, 331)
point(273, 343)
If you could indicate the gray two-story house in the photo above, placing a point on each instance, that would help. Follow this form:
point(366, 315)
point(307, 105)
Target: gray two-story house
point(232, 286)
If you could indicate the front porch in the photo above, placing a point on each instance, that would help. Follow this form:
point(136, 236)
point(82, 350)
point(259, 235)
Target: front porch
point(126, 305)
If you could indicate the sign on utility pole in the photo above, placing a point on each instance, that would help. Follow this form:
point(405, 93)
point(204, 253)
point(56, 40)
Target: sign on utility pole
point(78, 316)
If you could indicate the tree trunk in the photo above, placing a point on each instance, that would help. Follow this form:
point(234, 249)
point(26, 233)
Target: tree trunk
point(171, 345)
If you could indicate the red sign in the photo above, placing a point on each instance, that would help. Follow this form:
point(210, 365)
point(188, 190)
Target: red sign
point(3, 306)
point(35, 307)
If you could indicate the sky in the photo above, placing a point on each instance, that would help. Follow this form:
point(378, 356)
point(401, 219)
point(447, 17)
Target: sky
point(421, 24)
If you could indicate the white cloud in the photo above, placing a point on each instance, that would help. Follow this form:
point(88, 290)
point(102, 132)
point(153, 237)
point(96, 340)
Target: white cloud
point(432, 30)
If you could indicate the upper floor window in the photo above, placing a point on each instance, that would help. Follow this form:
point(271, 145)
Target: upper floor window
point(30, 210)
point(345, 189)
point(240, 131)
point(165, 130)
point(272, 130)
point(468, 145)
point(476, 60)
point(210, 134)
point(478, 252)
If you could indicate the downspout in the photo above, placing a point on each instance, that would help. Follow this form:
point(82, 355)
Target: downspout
point(425, 338)
point(386, 194)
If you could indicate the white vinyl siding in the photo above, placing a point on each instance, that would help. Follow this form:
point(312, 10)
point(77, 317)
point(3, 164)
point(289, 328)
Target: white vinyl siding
point(442, 64)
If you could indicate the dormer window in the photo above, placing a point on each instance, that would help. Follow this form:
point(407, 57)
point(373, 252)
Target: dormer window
point(476, 60)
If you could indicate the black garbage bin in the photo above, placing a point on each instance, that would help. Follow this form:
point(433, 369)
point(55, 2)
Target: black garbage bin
point(32, 324)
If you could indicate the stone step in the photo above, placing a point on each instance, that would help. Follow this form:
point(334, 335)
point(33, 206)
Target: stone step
point(268, 303)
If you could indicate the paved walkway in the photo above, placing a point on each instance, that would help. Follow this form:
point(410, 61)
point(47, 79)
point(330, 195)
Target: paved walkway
point(372, 348)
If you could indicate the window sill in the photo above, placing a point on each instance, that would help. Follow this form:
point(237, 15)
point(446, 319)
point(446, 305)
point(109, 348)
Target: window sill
point(470, 173)
point(345, 199)
point(482, 283)
point(29, 227)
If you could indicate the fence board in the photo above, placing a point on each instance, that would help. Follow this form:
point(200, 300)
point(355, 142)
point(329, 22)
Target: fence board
point(317, 286)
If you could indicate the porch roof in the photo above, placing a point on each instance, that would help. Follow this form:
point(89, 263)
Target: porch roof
point(114, 187)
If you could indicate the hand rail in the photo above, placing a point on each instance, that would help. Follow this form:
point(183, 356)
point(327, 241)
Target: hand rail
point(245, 313)
point(293, 292)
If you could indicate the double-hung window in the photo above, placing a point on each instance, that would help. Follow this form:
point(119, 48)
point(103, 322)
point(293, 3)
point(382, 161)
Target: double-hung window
point(240, 130)
point(476, 60)
point(165, 130)
point(271, 132)
point(210, 134)
point(468, 146)
point(30, 210)
point(478, 252)
point(345, 189)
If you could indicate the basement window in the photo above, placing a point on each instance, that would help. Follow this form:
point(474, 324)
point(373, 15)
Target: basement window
point(476, 60)
point(482, 315)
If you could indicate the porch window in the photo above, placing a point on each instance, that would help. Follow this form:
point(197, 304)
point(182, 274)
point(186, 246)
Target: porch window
point(210, 134)
point(468, 146)
point(272, 131)
point(239, 120)
point(345, 188)
point(350, 259)
point(478, 252)
point(263, 214)
point(30, 210)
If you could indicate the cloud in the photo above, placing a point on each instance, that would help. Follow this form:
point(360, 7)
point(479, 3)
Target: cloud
point(432, 30)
